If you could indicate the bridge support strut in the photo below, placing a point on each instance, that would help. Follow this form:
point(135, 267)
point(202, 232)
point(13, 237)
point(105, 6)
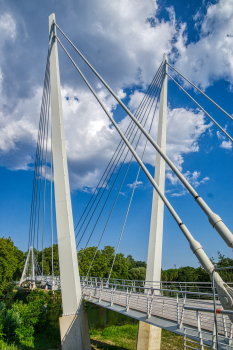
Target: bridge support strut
point(149, 337)
point(73, 323)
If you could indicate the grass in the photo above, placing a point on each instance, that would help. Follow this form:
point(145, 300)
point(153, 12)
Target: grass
point(124, 337)
point(121, 337)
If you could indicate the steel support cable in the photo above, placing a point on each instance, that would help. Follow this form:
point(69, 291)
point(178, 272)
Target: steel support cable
point(128, 128)
point(213, 218)
point(35, 171)
point(84, 78)
point(103, 193)
point(52, 203)
point(41, 165)
point(131, 198)
point(121, 182)
point(203, 110)
point(37, 160)
point(120, 190)
point(221, 109)
point(39, 177)
point(122, 147)
point(194, 245)
point(111, 187)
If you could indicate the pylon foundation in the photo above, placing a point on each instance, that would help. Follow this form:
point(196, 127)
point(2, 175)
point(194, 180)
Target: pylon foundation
point(149, 337)
point(74, 332)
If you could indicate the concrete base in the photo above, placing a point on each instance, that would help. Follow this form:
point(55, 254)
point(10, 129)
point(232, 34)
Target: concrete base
point(32, 286)
point(149, 337)
point(74, 332)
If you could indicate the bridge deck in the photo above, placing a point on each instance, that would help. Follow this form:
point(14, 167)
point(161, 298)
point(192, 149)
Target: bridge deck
point(162, 311)
point(162, 306)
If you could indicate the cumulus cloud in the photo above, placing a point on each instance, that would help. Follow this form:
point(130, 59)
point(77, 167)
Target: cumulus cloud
point(209, 58)
point(125, 41)
point(224, 144)
point(90, 138)
point(7, 27)
point(138, 184)
point(178, 189)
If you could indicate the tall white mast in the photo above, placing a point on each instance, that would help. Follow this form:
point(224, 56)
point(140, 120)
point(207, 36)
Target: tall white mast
point(73, 323)
point(149, 337)
point(154, 257)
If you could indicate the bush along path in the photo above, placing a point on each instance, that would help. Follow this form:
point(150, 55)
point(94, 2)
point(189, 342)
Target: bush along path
point(30, 320)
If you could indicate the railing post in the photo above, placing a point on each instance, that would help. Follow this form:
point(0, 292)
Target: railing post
point(199, 331)
point(184, 338)
point(182, 314)
point(177, 304)
point(112, 296)
point(100, 291)
point(214, 340)
point(224, 327)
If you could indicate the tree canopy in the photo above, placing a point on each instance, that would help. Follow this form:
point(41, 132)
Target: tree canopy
point(12, 262)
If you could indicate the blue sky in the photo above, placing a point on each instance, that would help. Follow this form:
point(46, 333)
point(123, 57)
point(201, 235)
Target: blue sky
point(125, 41)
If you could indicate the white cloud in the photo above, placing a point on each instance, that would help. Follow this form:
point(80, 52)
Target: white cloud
point(138, 184)
point(90, 138)
point(226, 144)
point(192, 178)
point(126, 41)
point(210, 58)
point(7, 27)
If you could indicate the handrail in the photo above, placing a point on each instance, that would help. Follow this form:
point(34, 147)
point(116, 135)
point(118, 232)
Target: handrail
point(218, 311)
point(151, 288)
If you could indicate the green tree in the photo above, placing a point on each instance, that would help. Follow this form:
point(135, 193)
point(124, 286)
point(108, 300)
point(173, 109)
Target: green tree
point(137, 273)
point(11, 262)
point(102, 263)
point(47, 260)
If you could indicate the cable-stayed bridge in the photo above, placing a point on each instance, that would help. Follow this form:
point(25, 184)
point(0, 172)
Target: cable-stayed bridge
point(201, 312)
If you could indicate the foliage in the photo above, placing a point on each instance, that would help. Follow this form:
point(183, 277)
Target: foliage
point(20, 322)
point(137, 273)
point(11, 262)
point(10, 321)
point(47, 260)
point(102, 263)
point(185, 274)
point(223, 261)
point(134, 263)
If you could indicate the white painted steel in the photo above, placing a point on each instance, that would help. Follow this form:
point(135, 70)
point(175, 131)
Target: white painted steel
point(23, 277)
point(154, 257)
point(70, 281)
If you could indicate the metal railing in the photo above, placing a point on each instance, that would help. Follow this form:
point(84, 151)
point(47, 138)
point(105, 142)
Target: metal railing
point(209, 340)
point(167, 302)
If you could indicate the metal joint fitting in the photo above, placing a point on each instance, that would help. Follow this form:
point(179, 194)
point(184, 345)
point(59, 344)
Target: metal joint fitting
point(213, 219)
point(195, 245)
